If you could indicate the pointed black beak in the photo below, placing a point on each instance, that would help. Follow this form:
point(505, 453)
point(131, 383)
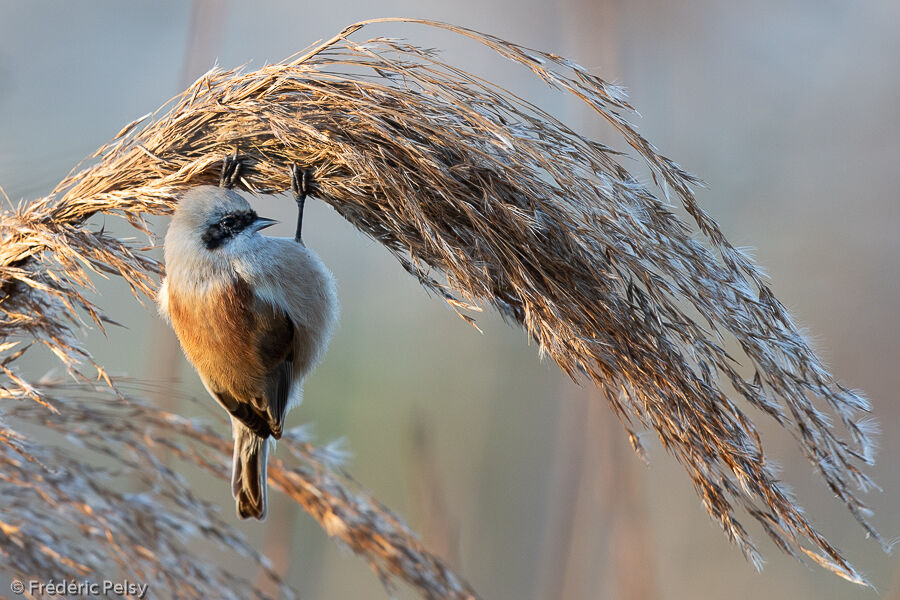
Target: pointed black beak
point(262, 223)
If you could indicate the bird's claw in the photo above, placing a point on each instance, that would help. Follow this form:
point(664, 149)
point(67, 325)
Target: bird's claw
point(231, 171)
point(301, 182)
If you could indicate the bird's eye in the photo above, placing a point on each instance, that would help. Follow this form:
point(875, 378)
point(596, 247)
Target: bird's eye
point(228, 222)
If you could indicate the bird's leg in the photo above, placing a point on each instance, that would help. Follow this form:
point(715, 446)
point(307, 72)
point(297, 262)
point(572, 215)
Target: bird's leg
point(231, 171)
point(301, 182)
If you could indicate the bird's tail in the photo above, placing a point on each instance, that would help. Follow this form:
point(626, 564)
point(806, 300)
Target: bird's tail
point(248, 475)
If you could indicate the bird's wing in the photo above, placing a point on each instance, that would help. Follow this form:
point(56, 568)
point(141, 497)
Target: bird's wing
point(297, 295)
point(275, 340)
point(295, 278)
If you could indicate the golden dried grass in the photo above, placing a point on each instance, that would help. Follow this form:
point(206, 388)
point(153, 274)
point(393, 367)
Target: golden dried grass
point(485, 198)
point(66, 516)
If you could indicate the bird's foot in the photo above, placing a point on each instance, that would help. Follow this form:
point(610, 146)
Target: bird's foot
point(301, 185)
point(231, 171)
point(301, 182)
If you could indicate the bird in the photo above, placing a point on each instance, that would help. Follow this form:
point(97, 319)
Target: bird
point(254, 315)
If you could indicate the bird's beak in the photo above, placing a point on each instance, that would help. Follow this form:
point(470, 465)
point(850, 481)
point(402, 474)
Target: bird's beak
point(262, 223)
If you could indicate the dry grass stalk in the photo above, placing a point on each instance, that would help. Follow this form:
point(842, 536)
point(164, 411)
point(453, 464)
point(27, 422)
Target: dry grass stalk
point(507, 206)
point(145, 535)
point(66, 516)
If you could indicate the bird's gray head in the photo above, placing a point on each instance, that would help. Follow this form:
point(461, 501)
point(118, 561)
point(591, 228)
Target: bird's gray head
point(211, 228)
point(215, 217)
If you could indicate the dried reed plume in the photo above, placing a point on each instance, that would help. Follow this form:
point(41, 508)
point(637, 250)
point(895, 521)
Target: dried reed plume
point(66, 516)
point(144, 535)
point(485, 198)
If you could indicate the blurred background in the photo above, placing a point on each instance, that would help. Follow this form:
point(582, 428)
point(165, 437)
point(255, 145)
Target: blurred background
point(522, 480)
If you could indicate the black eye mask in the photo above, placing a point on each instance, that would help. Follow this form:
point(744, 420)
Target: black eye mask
point(227, 227)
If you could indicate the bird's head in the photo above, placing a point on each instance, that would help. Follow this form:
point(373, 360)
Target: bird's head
point(212, 222)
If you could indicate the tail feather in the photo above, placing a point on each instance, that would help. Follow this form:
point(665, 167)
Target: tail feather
point(248, 475)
